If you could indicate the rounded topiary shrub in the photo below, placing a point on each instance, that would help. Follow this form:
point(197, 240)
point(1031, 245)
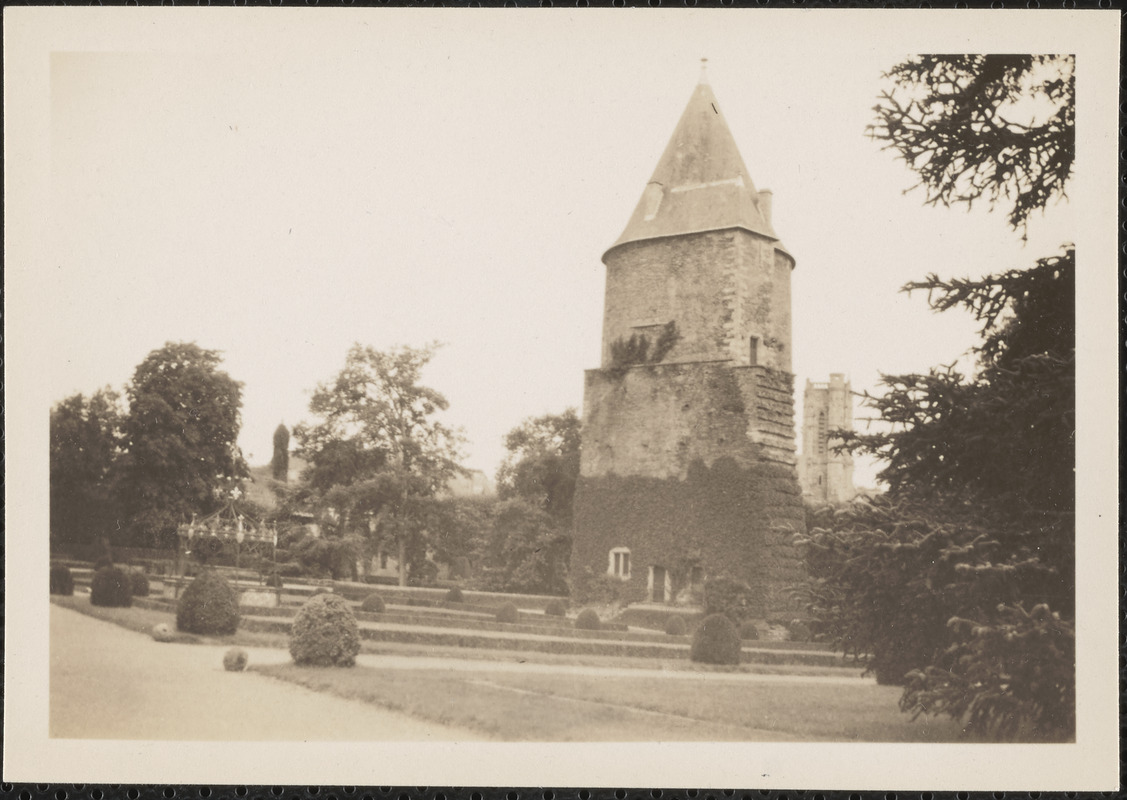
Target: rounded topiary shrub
point(455, 596)
point(507, 613)
point(101, 562)
point(209, 606)
point(798, 631)
point(748, 631)
point(555, 608)
point(716, 641)
point(62, 582)
point(235, 659)
point(162, 633)
point(274, 581)
point(675, 625)
point(588, 620)
point(139, 584)
point(111, 587)
point(373, 603)
point(324, 633)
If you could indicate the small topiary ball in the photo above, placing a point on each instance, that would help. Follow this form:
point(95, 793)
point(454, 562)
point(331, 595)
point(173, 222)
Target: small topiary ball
point(588, 620)
point(675, 625)
point(139, 583)
point(209, 606)
point(111, 587)
point(235, 659)
point(455, 596)
point(324, 633)
point(555, 608)
point(162, 633)
point(507, 613)
point(799, 631)
point(373, 603)
point(748, 631)
point(716, 641)
point(274, 581)
point(62, 582)
point(101, 562)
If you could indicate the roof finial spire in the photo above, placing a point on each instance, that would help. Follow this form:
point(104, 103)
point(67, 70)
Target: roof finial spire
point(704, 70)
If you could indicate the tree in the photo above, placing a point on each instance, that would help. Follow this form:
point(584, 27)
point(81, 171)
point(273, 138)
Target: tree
point(935, 582)
point(983, 126)
point(280, 463)
point(180, 437)
point(85, 445)
point(542, 464)
point(378, 452)
point(531, 539)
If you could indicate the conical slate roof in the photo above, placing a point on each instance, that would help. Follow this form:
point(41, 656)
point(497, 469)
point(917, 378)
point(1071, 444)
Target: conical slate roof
point(701, 183)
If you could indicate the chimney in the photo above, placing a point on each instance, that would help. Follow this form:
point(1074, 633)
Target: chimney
point(765, 196)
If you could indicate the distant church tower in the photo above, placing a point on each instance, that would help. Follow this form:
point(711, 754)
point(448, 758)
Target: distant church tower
point(688, 462)
point(826, 476)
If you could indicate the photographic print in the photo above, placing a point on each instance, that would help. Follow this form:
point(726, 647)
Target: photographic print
point(421, 396)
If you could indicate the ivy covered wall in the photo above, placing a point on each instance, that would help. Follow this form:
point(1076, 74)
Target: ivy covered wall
point(727, 519)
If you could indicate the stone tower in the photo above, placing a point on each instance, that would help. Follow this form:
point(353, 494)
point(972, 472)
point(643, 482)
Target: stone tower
point(688, 461)
point(826, 476)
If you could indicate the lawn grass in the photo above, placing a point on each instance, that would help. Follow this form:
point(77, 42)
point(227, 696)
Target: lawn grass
point(142, 620)
point(563, 707)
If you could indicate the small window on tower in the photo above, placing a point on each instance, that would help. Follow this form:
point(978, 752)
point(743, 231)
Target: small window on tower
point(753, 352)
point(619, 563)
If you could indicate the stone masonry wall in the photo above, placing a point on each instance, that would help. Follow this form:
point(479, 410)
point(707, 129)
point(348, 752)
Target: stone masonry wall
point(690, 463)
point(655, 420)
point(720, 287)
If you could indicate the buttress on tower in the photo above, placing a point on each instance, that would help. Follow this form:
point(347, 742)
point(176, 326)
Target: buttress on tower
point(688, 463)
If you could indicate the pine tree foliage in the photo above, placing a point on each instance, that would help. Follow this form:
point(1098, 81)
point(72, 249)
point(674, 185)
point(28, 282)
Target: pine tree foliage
point(960, 583)
point(993, 127)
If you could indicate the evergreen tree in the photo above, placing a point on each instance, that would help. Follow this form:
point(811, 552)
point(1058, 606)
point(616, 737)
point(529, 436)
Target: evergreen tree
point(280, 463)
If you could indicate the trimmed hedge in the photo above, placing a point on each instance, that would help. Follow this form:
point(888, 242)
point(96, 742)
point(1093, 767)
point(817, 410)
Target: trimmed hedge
point(111, 587)
point(373, 603)
point(209, 606)
point(324, 633)
point(62, 582)
point(507, 612)
point(555, 608)
point(588, 620)
point(675, 625)
point(748, 631)
point(716, 641)
point(139, 584)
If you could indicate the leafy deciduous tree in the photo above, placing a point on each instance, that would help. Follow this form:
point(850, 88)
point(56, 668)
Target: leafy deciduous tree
point(378, 451)
point(85, 446)
point(180, 436)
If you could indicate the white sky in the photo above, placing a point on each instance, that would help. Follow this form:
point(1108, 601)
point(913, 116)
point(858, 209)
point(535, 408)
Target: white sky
point(406, 178)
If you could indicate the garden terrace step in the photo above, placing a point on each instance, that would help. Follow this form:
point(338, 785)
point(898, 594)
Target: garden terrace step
point(411, 617)
point(358, 591)
point(488, 640)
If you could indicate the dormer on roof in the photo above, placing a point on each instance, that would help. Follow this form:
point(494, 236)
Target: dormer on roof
point(701, 183)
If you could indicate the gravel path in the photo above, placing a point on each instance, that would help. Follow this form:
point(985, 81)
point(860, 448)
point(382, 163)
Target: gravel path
point(110, 683)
